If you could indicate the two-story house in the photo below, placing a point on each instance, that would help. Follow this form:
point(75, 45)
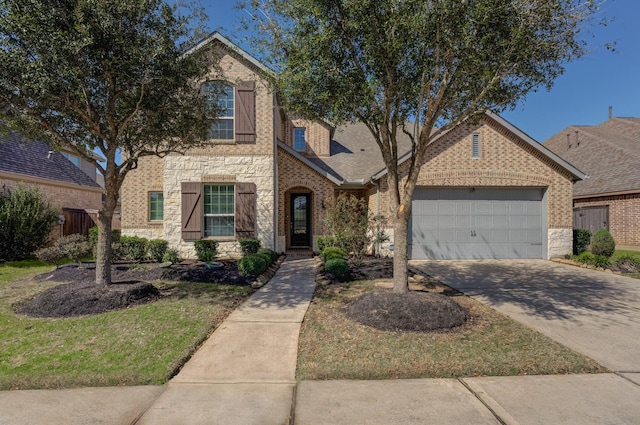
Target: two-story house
point(486, 190)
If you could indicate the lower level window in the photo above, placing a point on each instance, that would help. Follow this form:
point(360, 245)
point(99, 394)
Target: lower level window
point(156, 206)
point(219, 210)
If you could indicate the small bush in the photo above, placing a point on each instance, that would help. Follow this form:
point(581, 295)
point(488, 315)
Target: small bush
point(336, 266)
point(252, 264)
point(26, 220)
point(51, 254)
point(593, 260)
point(156, 249)
point(171, 256)
point(331, 252)
point(249, 246)
point(581, 240)
point(325, 241)
point(586, 257)
point(131, 248)
point(266, 256)
point(273, 256)
point(602, 243)
point(206, 249)
point(74, 246)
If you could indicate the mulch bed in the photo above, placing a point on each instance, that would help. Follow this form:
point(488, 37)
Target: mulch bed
point(427, 307)
point(130, 287)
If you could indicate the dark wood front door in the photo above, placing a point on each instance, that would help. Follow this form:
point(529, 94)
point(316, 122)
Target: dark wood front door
point(300, 226)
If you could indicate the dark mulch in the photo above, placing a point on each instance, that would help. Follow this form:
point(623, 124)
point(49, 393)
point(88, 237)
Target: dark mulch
point(130, 287)
point(82, 298)
point(414, 311)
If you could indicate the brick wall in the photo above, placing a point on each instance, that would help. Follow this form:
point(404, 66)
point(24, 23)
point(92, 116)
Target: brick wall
point(318, 136)
point(624, 216)
point(505, 161)
point(63, 196)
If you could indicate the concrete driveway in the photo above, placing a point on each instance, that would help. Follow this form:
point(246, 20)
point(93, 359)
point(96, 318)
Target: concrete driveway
point(595, 313)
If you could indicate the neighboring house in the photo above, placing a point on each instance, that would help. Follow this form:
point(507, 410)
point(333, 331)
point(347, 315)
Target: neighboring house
point(609, 154)
point(62, 179)
point(487, 190)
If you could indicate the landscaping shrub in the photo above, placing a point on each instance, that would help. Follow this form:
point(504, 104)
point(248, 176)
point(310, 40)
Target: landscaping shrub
point(336, 266)
point(593, 260)
point(249, 246)
point(325, 241)
point(115, 240)
point(272, 255)
point(265, 256)
point(74, 246)
point(348, 220)
point(206, 249)
point(332, 252)
point(131, 248)
point(171, 256)
point(51, 254)
point(581, 240)
point(26, 220)
point(252, 264)
point(156, 249)
point(602, 243)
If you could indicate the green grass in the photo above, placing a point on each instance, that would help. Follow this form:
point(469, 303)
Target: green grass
point(13, 270)
point(137, 346)
point(623, 252)
point(334, 347)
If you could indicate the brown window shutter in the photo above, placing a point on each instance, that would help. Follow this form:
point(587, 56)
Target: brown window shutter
point(192, 211)
point(245, 112)
point(245, 210)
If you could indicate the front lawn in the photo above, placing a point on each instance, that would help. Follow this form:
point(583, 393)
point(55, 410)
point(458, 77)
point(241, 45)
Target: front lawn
point(334, 347)
point(142, 345)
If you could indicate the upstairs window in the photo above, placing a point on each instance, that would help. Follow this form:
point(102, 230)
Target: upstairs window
point(221, 95)
point(75, 160)
point(299, 139)
point(475, 146)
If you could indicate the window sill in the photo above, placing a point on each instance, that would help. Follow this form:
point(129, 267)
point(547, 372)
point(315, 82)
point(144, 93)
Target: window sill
point(221, 238)
point(155, 222)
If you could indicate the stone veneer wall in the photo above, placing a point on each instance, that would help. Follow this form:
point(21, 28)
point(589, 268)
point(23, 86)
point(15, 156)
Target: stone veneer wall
point(506, 161)
point(256, 169)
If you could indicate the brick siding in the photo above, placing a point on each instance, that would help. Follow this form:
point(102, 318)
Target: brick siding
point(505, 161)
point(624, 216)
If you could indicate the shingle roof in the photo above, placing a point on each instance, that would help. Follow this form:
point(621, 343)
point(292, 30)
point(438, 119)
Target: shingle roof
point(608, 153)
point(355, 155)
point(30, 158)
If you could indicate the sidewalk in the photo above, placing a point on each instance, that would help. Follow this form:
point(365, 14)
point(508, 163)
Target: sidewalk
point(244, 374)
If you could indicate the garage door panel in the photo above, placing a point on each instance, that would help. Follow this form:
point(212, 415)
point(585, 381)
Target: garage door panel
point(483, 223)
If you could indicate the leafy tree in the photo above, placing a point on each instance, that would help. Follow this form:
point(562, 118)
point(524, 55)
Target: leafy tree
point(104, 76)
point(349, 223)
point(26, 220)
point(414, 67)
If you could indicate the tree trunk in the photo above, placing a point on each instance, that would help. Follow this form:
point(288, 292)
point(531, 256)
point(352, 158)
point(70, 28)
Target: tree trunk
point(400, 252)
point(103, 254)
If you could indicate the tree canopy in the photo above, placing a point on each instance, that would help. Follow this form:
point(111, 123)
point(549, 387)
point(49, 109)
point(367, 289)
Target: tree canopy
point(104, 76)
point(418, 67)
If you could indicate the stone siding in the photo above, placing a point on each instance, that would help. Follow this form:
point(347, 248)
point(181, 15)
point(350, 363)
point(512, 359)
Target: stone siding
point(624, 216)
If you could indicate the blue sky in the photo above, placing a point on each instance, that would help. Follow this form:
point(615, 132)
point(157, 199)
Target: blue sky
point(581, 96)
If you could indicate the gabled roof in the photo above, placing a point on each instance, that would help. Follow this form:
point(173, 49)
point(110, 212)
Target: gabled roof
point(576, 173)
point(18, 156)
point(609, 153)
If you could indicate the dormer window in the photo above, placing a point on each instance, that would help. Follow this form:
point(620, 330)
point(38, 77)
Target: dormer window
point(75, 160)
point(221, 95)
point(299, 139)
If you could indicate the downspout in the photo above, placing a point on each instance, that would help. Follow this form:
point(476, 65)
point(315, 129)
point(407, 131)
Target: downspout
point(275, 177)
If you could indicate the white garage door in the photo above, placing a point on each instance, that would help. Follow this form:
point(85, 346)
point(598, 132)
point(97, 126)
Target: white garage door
point(466, 223)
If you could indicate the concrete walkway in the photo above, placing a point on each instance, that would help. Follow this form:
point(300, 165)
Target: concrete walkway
point(245, 374)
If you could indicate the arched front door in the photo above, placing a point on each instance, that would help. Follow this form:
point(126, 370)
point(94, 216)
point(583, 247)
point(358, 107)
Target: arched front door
point(300, 220)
